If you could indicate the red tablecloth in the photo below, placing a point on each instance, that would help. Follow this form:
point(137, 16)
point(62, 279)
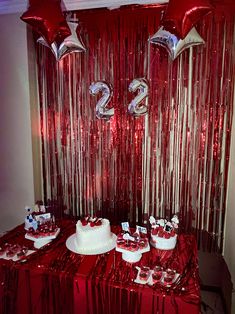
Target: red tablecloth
point(56, 280)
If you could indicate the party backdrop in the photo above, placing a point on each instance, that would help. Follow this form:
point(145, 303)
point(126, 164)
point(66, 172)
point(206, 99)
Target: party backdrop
point(173, 159)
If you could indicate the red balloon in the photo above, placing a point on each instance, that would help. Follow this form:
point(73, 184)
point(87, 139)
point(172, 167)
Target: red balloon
point(182, 15)
point(47, 18)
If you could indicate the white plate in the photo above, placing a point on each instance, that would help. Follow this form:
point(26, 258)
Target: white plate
point(72, 246)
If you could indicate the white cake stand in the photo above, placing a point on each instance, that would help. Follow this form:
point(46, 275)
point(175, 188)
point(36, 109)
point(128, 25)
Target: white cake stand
point(41, 241)
point(71, 244)
point(132, 257)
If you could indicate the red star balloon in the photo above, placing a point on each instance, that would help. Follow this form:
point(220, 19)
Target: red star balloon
point(47, 18)
point(182, 15)
point(69, 45)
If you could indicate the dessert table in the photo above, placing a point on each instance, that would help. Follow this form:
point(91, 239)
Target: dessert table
point(54, 279)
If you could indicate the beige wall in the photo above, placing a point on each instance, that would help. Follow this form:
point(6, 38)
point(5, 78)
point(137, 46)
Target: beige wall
point(229, 243)
point(16, 167)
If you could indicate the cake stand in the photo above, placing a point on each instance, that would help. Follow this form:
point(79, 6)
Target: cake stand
point(132, 256)
point(71, 244)
point(41, 241)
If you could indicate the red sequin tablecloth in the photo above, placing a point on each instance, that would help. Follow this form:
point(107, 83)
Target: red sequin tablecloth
point(56, 280)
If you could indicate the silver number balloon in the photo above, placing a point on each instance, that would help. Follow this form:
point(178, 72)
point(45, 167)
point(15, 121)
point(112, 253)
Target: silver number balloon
point(102, 112)
point(139, 105)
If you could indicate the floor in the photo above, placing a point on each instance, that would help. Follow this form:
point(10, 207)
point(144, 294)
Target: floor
point(211, 303)
point(215, 282)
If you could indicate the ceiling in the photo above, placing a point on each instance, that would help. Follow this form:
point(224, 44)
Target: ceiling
point(19, 6)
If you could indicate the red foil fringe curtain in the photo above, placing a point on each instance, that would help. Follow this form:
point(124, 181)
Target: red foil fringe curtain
point(172, 160)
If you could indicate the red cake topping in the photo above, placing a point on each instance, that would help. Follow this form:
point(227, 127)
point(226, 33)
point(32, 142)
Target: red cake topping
point(93, 222)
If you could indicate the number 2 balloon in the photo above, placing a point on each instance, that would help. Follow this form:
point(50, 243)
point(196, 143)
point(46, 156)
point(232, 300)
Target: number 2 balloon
point(102, 112)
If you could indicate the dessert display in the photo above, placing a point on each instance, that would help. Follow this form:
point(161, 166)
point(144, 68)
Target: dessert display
point(40, 228)
point(45, 230)
point(157, 275)
point(14, 251)
point(169, 277)
point(144, 274)
point(132, 242)
point(163, 233)
point(132, 245)
point(93, 236)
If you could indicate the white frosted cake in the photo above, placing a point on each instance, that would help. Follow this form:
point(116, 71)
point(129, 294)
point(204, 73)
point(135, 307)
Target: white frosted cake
point(163, 243)
point(163, 233)
point(93, 234)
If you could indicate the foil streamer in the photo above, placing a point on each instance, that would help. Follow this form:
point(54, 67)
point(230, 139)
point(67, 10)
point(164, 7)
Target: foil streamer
point(172, 160)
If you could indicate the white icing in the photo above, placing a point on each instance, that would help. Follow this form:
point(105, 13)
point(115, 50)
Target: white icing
point(93, 238)
point(163, 243)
